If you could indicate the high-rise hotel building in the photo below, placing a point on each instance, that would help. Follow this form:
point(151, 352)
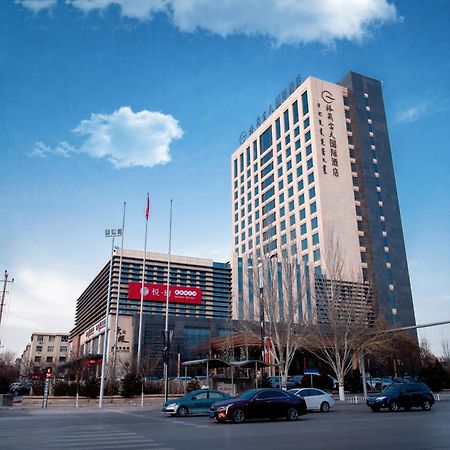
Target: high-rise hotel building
point(316, 174)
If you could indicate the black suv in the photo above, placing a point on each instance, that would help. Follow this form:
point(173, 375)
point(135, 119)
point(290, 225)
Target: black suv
point(398, 395)
point(22, 387)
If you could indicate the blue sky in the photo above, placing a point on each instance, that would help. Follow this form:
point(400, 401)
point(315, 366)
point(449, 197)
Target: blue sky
point(89, 86)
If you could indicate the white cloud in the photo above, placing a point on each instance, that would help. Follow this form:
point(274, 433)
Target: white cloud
point(411, 114)
point(37, 5)
point(125, 138)
point(283, 21)
point(136, 9)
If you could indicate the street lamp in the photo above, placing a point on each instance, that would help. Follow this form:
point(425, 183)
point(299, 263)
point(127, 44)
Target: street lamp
point(110, 233)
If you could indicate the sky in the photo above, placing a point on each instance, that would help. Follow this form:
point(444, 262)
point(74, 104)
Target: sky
point(106, 100)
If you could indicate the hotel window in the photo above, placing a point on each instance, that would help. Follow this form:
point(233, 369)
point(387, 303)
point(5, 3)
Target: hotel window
point(292, 220)
point(243, 248)
point(305, 103)
point(287, 140)
point(316, 255)
point(290, 191)
point(311, 178)
point(296, 131)
point(302, 214)
point(308, 150)
point(289, 178)
point(307, 136)
point(50, 348)
point(299, 171)
point(313, 207)
point(288, 152)
point(267, 157)
point(304, 244)
point(235, 168)
point(255, 151)
point(291, 205)
point(241, 163)
point(277, 129)
point(236, 228)
point(283, 225)
point(282, 211)
point(301, 185)
point(289, 165)
point(279, 159)
point(303, 229)
point(306, 123)
point(265, 141)
point(280, 171)
point(309, 163)
point(281, 198)
point(278, 146)
point(293, 234)
point(315, 238)
point(39, 348)
point(250, 244)
point(283, 239)
point(314, 223)
point(267, 170)
point(280, 185)
point(312, 193)
point(294, 249)
point(286, 120)
point(301, 199)
point(248, 156)
point(297, 144)
point(305, 258)
point(295, 111)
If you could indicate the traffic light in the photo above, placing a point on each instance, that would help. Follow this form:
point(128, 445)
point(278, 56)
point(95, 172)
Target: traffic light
point(48, 372)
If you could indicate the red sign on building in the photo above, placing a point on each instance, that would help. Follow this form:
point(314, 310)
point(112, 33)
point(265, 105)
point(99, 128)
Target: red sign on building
point(158, 293)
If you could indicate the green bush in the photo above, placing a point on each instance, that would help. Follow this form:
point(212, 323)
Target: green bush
point(38, 387)
point(90, 388)
point(435, 376)
point(131, 385)
point(61, 388)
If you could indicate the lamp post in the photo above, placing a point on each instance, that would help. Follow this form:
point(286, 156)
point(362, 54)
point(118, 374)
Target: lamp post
point(110, 233)
point(261, 315)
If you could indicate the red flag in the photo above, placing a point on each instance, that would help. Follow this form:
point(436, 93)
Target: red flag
point(147, 210)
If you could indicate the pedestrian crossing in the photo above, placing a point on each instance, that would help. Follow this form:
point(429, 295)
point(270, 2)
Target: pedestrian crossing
point(84, 437)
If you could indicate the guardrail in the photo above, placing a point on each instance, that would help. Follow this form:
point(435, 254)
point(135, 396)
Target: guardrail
point(356, 399)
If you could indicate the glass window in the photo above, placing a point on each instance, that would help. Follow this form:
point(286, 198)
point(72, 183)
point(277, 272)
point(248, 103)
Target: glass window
point(314, 223)
point(248, 156)
point(280, 185)
point(286, 120)
point(304, 244)
point(302, 214)
point(295, 111)
point(265, 141)
point(289, 165)
point(291, 205)
point(311, 178)
point(267, 182)
point(280, 171)
point(289, 178)
point(277, 129)
point(37, 359)
point(255, 151)
point(297, 144)
point(301, 199)
point(49, 359)
point(39, 348)
point(268, 194)
point(281, 198)
point(312, 192)
point(267, 170)
point(315, 238)
point(279, 159)
point(283, 225)
point(305, 103)
point(296, 131)
point(316, 255)
point(267, 157)
point(303, 228)
point(307, 136)
point(241, 162)
point(309, 164)
point(287, 140)
point(50, 348)
point(306, 123)
point(235, 168)
point(299, 171)
point(283, 239)
point(308, 150)
point(282, 211)
point(293, 234)
point(290, 191)
point(292, 219)
point(301, 185)
point(313, 207)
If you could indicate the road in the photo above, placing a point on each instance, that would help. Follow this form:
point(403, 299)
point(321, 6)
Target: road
point(345, 427)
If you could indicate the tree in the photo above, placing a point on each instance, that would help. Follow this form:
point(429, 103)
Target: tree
point(344, 325)
point(9, 372)
point(279, 308)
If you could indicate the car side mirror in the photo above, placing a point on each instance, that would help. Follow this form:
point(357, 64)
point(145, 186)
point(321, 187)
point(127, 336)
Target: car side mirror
point(194, 398)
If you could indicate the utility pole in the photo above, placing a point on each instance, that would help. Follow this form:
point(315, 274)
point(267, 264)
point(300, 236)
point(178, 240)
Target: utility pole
point(4, 291)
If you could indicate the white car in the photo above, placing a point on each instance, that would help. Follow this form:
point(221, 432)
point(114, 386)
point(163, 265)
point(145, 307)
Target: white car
point(316, 399)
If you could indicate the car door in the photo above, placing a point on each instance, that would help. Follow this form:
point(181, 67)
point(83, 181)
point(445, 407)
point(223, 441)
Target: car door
point(305, 393)
point(263, 405)
point(215, 396)
point(200, 402)
point(315, 398)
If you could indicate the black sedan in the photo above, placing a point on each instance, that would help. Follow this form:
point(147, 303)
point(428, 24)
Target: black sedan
point(259, 404)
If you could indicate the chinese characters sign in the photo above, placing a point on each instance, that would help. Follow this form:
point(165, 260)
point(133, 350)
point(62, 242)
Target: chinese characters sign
point(328, 146)
point(158, 293)
point(266, 114)
point(95, 330)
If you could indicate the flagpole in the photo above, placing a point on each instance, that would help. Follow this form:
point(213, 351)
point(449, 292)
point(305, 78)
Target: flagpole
point(116, 331)
point(142, 287)
point(166, 329)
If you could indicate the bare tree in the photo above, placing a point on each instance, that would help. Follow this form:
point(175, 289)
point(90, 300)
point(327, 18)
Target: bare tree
point(344, 324)
point(445, 345)
point(280, 308)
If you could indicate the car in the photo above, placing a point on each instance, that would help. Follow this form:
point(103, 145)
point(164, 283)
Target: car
point(402, 395)
point(316, 399)
point(22, 387)
point(195, 402)
point(292, 382)
point(259, 404)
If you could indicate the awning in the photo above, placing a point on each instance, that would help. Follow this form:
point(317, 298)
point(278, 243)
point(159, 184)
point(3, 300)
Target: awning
point(213, 363)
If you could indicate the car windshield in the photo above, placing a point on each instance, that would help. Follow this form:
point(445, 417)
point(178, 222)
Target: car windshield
point(247, 395)
point(391, 390)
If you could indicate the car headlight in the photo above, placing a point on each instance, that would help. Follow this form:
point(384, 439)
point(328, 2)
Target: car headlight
point(380, 399)
point(172, 405)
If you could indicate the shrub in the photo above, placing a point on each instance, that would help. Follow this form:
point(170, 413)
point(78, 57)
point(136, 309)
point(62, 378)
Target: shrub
point(153, 387)
point(131, 385)
point(72, 389)
point(38, 387)
point(90, 388)
point(192, 385)
point(112, 388)
point(434, 375)
point(60, 388)
point(318, 381)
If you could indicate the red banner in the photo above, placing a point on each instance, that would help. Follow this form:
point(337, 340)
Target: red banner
point(157, 293)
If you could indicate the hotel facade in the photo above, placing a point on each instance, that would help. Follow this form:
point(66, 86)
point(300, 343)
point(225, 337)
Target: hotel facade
point(314, 178)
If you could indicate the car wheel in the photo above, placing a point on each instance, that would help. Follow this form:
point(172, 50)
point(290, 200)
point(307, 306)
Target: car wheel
point(183, 411)
point(393, 406)
point(238, 416)
point(324, 407)
point(426, 405)
point(375, 408)
point(292, 414)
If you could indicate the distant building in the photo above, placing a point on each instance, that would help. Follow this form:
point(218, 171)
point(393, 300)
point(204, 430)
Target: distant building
point(315, 170)
point(199, 307)
point(44, 350)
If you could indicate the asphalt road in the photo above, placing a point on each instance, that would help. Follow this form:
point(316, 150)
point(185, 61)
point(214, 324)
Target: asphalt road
point(345, 427)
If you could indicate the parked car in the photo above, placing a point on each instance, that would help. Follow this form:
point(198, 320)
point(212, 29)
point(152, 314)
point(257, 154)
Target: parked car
point(195, 402)
point(292, 382)
point(373, 382)
point(316, 399)
point(258, 404)
point(22, 387)
point(398, 395)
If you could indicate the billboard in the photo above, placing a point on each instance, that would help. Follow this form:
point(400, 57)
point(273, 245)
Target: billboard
point(157, 293)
